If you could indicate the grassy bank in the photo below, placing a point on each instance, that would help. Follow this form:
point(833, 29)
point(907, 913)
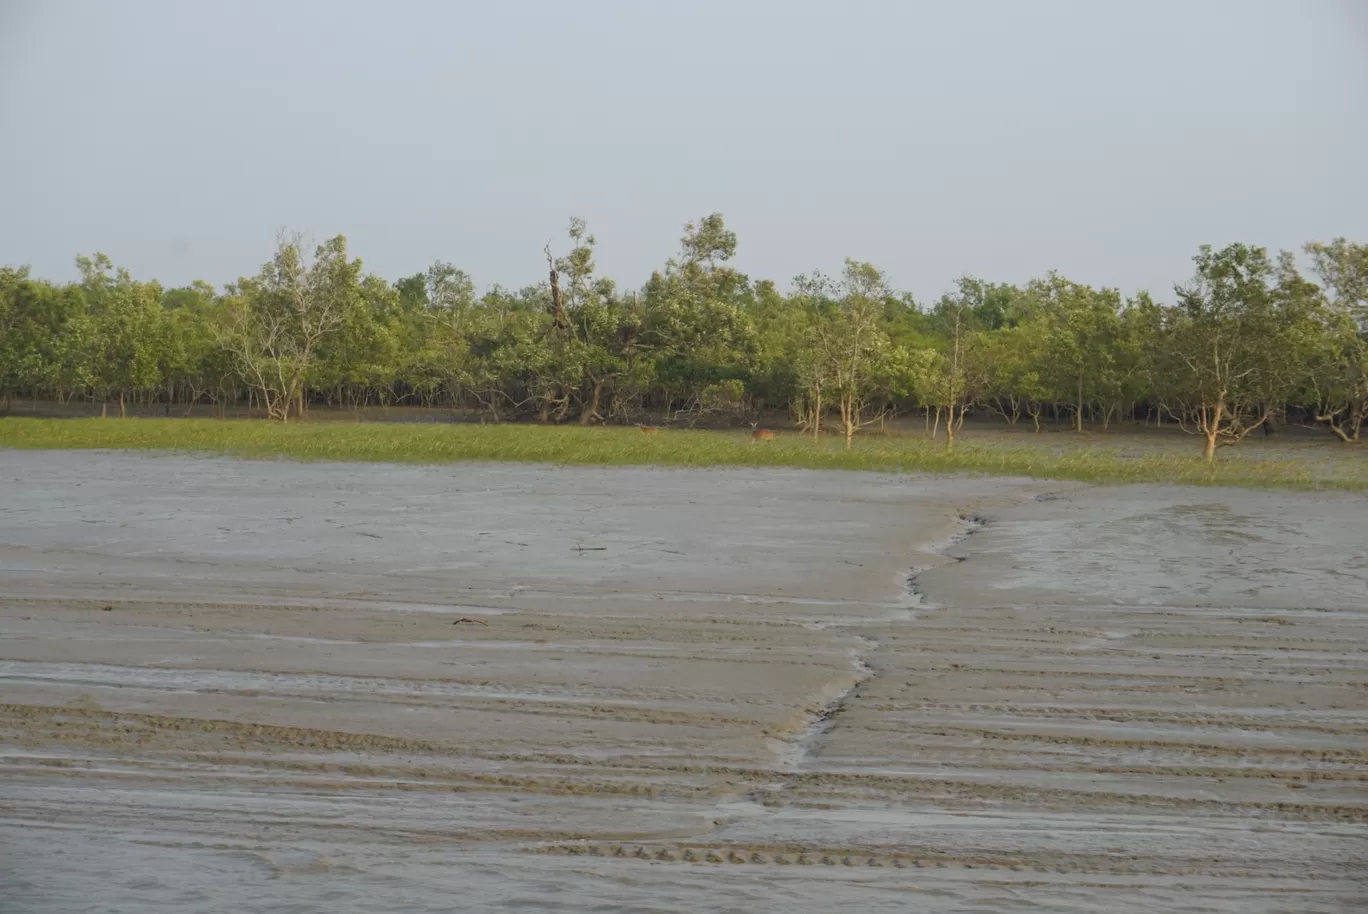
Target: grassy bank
point(1046, 456)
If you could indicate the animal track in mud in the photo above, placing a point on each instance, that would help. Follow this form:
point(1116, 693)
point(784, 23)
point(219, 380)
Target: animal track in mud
point(1192, 748)
point(1122, 715)
point(819, 856)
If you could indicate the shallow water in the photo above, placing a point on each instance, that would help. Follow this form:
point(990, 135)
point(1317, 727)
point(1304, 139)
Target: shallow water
point(525, 689)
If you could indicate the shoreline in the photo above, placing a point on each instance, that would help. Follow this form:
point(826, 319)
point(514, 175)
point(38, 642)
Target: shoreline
point(1122, 458)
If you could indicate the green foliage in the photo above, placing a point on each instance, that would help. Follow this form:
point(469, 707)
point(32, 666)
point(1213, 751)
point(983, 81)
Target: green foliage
point(1226, 347)
point(1334, 383)
point(1249, 341)
point(122, 334)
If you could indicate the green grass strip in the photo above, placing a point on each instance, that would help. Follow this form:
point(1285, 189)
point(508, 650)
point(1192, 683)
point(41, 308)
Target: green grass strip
point(1123, 462)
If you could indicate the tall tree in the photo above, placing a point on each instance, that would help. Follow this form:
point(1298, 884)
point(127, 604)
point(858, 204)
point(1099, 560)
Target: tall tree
point(850, 353)
point(1224, 346)
point(278, 320)
point(958, 373)
point(1337, 379)
point(39, 328)
point(1081, 325)
point(125, 330)
point(693, 319)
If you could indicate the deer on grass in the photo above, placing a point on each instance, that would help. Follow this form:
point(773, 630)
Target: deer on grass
point(760, 434)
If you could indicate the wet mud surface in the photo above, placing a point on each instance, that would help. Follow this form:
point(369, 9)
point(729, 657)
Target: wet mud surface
point(259, 686)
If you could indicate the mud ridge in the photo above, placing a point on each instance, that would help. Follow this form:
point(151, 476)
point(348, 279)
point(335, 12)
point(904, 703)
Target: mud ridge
point(806, 745)
point(972, 523)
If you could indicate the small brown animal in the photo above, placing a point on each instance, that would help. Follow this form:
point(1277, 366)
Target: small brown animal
point(648, 429)
point(760, 434)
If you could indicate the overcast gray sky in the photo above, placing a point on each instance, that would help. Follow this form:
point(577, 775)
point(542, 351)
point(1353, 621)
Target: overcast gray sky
point(1003, 139)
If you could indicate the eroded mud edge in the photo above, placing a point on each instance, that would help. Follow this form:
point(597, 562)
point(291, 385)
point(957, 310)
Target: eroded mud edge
point(803, 747)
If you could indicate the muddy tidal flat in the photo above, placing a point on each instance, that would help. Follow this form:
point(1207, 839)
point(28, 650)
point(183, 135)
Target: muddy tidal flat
point(250, 686)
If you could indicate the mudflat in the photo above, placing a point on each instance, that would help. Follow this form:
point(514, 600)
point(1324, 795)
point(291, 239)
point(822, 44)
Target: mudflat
point(231, 685)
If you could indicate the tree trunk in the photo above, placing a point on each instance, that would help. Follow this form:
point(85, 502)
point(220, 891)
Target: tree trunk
point(590, 411)
point(557, 301)
point(1078, 411)
point(1339, 433)
point(123, 410)
point(1011, 412)
point(817, 414)
point(104, 408)
point(950, 427)
point(1346, 430)
point(1268, 426)
point(1213, 430)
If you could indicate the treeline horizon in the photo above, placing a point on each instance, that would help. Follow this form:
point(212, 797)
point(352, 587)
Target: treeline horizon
point(1247, 341)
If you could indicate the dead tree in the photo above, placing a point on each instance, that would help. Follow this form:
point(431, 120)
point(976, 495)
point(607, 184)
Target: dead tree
point(557, 300)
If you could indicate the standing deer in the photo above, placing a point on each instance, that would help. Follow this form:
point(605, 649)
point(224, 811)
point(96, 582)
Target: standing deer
point(760, 434)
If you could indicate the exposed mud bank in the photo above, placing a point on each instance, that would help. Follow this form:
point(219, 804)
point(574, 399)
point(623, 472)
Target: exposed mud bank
point(238, 686)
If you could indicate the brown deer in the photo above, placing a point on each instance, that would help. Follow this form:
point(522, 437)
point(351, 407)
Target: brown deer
point(760, 434)
point(649, 429)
